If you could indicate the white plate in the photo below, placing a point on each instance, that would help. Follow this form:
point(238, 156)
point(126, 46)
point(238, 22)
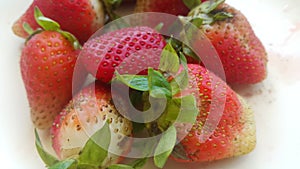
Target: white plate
point(275, 101)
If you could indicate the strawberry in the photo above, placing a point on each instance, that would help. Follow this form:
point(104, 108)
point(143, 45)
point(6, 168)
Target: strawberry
point(242, 54)
point(128, 50)
point(47, 65)
point(84, 115)
point(202, 113)
point(234, 133)
point(81, 17)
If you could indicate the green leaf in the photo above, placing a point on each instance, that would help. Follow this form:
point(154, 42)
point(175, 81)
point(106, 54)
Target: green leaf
point(187, 51)
point(28, 28)
point(191, 3)
point(71, 38)
point(159, 87)
point(183, 60)
point(159, 27)
point(165, 147)
point(44, 22)
point(139, 163)
point(136, 82)
point(206, 19)
point(66, 164)
point(198, 22)
point(169, 61)
point(94, 154)
point(37, 12)
point(222, 15)
point(181, 81)
point(170, 114)
point(120, 166)
point(48, 24)
point(176, 44)
point(48, 159)
point(182, 110)
point(188, 110)
point(208, 6)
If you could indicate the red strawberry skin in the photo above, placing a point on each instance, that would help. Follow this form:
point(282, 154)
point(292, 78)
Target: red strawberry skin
point(242, 54)
point(128, 50)
point(84, 115)
point(80, 17)
point(47, 64)
point(235, 132)
point(174, 7)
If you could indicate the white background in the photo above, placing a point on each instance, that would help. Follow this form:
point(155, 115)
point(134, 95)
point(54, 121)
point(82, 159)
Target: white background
point(275, 101)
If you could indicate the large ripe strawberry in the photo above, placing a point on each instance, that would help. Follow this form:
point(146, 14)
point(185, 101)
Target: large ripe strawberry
point(84, 115)
point(212, 121)
point(242, 54)
point(47, 65)
point(233, 127)
point(80, 17)
point(129, 50)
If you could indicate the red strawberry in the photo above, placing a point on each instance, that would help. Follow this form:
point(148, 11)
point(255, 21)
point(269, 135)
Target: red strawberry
point(84, 115)
point(234, 134)
point(242, 54)
point(129, 50)
point(47, 65)
point(80, 17)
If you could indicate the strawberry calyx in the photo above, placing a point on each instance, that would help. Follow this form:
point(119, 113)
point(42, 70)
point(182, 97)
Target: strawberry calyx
point(164, 86)
point(206, 13)
point(48, 24)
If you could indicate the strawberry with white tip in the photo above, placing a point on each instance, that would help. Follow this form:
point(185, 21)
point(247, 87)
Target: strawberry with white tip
point(83, 116)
